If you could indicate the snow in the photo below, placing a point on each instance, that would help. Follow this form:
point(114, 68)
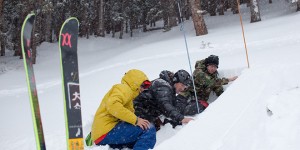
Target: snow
point(258, 111)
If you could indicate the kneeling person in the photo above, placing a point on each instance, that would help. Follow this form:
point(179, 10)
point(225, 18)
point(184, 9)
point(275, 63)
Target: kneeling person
point(116, 124)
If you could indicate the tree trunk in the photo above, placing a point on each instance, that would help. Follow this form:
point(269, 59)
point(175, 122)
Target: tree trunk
point(48, 14)
point(198, 20)
point(187, 10)
point(178, 11)
point(37, 27)
point(131, 28)
point(84, 20)
point(212, 7)
point(122, 30)
point(144, 17)
point(2, 47)
point(221, 7)
point(234, 7)
point(298, 5)
point(126, 26)
point(165, 13)
point(21, 16)
point(113, 29)
point(172, 17)
point(101, 19)
point(122, 20)
point(255, 13)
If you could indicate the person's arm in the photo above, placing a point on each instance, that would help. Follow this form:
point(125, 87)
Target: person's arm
point(181, 102)
point(140, 104)
point(218, 88)
point(116, 102)
point(164, 98)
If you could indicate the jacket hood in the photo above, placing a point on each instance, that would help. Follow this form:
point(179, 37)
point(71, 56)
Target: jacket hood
point(134, 79)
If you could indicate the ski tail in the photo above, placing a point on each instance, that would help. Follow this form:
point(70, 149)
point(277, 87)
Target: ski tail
point(28, 66)
point(70, 78)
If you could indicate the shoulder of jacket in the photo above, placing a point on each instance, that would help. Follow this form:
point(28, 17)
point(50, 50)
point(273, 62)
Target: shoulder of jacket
point(122, 88)
point(160, 82)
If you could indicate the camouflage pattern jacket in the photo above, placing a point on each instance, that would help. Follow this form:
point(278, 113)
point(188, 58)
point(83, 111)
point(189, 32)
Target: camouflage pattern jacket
point(205, 82)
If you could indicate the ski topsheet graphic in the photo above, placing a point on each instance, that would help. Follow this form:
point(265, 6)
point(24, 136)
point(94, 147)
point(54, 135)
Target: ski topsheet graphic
point(69, 67)
point(34, 103)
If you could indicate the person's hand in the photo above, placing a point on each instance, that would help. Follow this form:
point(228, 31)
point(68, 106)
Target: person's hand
point(232, 78)
point(186, 120)
point(143, 123)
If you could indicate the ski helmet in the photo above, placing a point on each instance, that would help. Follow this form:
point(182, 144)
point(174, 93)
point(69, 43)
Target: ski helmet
point(183, 77)
point(166, 75)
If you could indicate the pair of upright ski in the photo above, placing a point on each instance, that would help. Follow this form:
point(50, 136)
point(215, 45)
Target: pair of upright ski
point(70, 77)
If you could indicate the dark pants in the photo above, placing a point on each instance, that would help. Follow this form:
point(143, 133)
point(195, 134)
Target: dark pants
point(191, 108)
point(128, 135)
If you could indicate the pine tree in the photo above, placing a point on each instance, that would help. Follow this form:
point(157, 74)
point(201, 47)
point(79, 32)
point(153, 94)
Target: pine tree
point(234, 6)
point(37, 29)
point(173, 15)
point(212, 7)
point(47, 11)
point(221, 7)
point(59, 13)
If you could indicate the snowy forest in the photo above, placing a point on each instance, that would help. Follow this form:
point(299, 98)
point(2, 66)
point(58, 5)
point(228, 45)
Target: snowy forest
point(108, 17)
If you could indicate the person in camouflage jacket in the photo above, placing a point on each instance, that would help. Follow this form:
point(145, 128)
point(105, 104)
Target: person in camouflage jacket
point(206, 81)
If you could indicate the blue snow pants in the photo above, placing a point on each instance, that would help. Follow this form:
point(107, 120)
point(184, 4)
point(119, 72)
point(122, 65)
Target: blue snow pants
point(127, 135)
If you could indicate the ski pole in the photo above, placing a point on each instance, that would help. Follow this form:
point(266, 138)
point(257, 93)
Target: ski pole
point(241, 21)
point(188, 54)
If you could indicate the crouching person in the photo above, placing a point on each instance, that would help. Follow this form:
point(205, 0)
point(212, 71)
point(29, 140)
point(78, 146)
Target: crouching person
point(115, 123)
point(207, 80)
point(159, 99)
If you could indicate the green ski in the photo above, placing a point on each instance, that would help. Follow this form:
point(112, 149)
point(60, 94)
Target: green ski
point(34, 103)
point(69, 67)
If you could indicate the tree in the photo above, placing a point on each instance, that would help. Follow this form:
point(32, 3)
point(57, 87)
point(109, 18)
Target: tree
point(165, 13)
point(187, 10)
point(173, 15)
point(298, 5)
point(212, 7)
point(84, 22)
point(2, 47)
point(234, 6)
point(47, 11)
point(101, 19)
point(255, 13)
point(36, 37)
point(17, 23)
point(198, 20)
point(221, 7)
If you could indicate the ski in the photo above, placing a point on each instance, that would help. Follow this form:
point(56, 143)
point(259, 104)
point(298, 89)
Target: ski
point(33, 97)
point(70, 78)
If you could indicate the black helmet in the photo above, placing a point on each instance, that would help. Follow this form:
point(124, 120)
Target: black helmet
point(212, 60)
point(182, 76)
point(166, 75)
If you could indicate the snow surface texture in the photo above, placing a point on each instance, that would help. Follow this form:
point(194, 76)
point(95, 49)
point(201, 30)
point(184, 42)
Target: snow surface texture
point(258, 111)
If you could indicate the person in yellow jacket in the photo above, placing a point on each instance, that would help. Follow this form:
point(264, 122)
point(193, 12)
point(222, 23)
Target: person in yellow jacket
point(116, 124)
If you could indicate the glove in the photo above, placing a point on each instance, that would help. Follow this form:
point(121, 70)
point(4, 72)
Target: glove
point(203, 103)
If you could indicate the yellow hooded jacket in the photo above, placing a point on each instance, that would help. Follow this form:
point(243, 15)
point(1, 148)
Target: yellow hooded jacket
point(117, 104)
